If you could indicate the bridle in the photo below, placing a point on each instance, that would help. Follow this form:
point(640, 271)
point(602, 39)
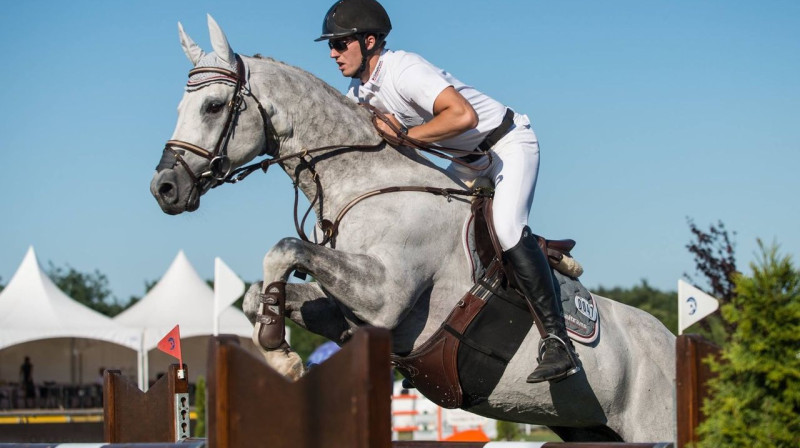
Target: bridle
point(219, 164)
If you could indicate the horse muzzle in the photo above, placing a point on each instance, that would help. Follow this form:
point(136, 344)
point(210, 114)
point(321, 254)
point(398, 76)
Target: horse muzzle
point(174, 192)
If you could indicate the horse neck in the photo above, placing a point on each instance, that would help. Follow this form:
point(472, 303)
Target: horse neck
point(307, 113)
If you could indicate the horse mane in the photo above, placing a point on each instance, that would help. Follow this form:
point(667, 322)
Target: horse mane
point(322, 116)
point(317, 107)
point(306, 73)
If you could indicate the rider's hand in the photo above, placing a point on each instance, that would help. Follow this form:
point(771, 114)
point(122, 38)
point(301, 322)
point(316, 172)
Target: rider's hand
point(385, 127)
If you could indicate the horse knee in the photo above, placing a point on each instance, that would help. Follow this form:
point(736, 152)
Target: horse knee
point(250, 303)
point(281, 257)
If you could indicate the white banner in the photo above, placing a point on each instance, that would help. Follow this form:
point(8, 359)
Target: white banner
point(693, 305)
point(463, 419)
point(227, 288)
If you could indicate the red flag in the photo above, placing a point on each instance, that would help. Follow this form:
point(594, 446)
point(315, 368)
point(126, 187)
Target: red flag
point(171, 344)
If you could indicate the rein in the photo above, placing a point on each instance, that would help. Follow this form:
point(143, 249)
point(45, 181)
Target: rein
point(331, 228)
point(402, 139)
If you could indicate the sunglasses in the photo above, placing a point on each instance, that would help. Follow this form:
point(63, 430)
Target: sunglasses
point(340, 45)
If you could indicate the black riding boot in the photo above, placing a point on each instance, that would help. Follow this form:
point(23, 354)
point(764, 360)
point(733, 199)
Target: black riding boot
point(557, 360)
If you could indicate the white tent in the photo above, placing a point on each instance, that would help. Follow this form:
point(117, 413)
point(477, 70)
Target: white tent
point(38, 318)
point(182, 298)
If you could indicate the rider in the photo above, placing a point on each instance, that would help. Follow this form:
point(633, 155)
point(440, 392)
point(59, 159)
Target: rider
point(431, 105)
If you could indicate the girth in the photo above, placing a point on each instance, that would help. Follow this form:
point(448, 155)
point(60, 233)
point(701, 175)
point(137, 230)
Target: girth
point(433, 366)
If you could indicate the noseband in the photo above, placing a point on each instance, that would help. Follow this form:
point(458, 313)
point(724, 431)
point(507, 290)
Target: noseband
point(219, 164)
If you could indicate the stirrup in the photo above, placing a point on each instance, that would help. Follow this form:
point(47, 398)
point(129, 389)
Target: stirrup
point(570, 353)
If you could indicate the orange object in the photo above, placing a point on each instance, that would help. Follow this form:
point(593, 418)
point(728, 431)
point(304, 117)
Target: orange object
point(171, 344)
point(470, 435)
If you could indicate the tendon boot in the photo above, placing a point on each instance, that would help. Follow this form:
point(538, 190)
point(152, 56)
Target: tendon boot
point(557, 358)
point(269, 329)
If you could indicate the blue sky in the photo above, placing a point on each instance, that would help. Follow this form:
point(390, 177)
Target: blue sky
point(647, 113)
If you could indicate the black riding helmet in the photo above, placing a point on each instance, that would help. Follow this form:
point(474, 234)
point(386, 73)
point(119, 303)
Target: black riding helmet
point(357, 18)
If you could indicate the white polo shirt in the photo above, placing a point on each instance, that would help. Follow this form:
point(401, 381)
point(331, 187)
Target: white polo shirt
point(406, 85)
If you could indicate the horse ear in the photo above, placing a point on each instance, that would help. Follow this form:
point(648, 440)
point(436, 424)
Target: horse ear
point(192, 50)
point(219, 42)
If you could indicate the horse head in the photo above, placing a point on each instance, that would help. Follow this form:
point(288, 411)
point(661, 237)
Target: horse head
point(221, 126)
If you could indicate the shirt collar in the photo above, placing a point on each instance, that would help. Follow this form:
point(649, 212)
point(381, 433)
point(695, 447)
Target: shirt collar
point(376, 78)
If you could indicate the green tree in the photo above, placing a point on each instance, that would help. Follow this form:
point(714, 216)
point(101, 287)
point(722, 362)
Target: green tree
point(200, 407)
point(660, 304)
point(508, 431)
point(90, 289)
point(714, 253)
point(755, 399)
point(2, 286)
point(303, 341)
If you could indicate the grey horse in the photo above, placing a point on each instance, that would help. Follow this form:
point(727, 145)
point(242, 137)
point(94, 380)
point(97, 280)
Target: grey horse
point(399, 260)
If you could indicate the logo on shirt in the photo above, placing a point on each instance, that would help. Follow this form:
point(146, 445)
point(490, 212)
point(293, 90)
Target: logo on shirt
point(377, 71)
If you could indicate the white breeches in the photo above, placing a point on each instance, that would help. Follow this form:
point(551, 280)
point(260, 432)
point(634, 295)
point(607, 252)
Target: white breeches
point(514, 170)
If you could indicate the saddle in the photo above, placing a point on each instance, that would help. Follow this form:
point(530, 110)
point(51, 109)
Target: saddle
point(488, 247)
point(462, 362)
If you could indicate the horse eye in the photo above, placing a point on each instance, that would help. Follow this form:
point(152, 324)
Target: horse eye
point(214, 107)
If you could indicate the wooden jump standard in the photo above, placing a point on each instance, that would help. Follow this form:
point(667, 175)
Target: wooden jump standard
point(691, 375)
point(159, 415)
point(344, 402)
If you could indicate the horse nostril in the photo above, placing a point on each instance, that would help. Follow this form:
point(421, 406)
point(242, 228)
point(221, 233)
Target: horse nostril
point(166, 190)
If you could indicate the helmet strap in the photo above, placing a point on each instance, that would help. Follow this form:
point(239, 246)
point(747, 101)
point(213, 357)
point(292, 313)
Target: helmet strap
point(365, 54)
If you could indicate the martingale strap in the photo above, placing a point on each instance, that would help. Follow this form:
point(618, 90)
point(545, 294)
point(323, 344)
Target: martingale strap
point(332, 228)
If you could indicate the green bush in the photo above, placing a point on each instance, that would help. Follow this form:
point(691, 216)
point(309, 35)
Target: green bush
point(507, 431)
point(755, 399)
point(200, 407)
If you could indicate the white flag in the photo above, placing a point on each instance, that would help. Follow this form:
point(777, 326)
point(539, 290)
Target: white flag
point(227, 288)
point(693, 305)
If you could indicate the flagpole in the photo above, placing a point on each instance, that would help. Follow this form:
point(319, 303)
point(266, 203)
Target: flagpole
point(145, 362)
point(140, 371)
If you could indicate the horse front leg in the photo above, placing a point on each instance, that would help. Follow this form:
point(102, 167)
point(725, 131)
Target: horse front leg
point(307, 305)
point(360, 283)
